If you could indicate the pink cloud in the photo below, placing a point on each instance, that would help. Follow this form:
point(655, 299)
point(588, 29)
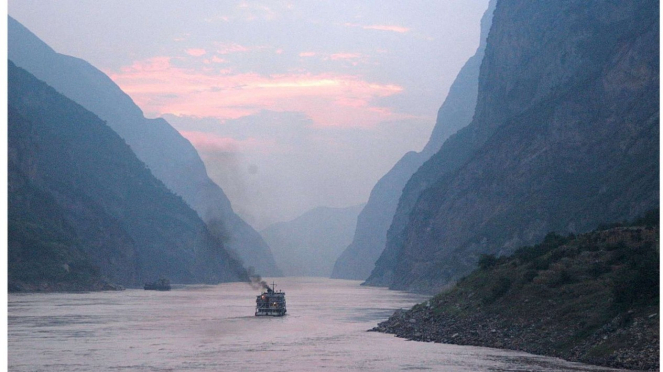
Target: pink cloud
point(228, 48)
point(340, 56)
point(328, 99)
point(152, 64)
point(210, 142)
point(196, 52)
point(392, 28)
point(351, 102)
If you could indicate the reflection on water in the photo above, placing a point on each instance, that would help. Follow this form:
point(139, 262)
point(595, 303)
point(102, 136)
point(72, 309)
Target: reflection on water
point(212, 328)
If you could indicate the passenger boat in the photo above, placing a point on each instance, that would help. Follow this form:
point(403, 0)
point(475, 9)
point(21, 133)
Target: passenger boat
point(271, 302)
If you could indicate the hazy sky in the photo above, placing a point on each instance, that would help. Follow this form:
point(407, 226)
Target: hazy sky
point(291, 104)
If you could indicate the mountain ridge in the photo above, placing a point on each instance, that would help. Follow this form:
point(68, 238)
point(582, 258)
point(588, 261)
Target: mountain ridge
point(170, 157)
point(358, 260)
point(112, 210)
point(561, 141)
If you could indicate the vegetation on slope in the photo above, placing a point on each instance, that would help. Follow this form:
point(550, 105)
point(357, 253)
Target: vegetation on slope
point(592, 298)
point(44, 252)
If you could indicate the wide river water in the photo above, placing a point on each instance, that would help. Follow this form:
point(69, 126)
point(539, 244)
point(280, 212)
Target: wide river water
point(212, 328)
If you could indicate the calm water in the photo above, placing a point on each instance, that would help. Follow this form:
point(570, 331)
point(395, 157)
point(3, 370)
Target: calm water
point(212, 328)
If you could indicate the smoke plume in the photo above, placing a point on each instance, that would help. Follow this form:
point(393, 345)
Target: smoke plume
point(256, 281)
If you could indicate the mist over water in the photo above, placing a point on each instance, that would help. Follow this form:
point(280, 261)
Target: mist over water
point(212, 328)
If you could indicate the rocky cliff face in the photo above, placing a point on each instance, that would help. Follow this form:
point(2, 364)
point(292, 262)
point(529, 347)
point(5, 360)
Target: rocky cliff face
point(81, 202)
point(358, 260)
point(564, 137)
point(170, 157)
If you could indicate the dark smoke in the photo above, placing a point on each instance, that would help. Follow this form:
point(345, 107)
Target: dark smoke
point(256, 281)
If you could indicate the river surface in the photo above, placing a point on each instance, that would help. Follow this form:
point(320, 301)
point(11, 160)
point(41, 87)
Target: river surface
point(212, 328)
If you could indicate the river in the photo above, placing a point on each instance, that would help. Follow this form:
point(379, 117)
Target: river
point(212, 328)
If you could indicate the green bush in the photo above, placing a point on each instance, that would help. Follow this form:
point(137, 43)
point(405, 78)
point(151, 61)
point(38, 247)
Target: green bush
point(638, 279)
point(550, 242)
point(499, 288)
point(563, 277)
point(530, 275)
point(486, 261)
point(540, 264)
point(597, 269)
point(650, 219)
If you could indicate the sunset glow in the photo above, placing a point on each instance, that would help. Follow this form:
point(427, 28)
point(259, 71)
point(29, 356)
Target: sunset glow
point(328, 98)
point(398, 29)
point(322, 97)
point(210, 142)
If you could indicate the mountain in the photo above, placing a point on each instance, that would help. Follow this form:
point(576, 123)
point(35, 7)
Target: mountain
point(44, 252)
point(564, 137)
point(593, 297)
point(310, 244)
point(169, 156)
point(358, 259)
point(83, 207)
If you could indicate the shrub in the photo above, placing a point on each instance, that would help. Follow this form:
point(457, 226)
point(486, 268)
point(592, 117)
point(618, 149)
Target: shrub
point(499, 289)
point(638, 280)
point(650, 219)
point(550, 242)
point(540, 264)
point(486, 261)
point(530, 275)
point(597, 269)
point(562, 277)
point(608, 226)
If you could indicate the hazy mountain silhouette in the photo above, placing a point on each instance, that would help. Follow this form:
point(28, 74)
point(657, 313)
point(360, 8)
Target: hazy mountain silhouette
point(358, 260)
point(169, 156)
point(310, 244)
point(82, 206)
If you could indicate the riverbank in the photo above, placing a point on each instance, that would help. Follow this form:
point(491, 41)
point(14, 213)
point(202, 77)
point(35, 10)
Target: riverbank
point(590, 298)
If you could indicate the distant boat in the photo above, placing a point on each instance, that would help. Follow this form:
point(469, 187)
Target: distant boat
point(270, 302)
point(159, 285)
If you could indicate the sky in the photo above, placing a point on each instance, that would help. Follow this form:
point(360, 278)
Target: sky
point(291, 104)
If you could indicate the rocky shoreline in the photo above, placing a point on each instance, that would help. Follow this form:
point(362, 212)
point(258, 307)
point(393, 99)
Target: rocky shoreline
point(591, 298)
point(421, 324)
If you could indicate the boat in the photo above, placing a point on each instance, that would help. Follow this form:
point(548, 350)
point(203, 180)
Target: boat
point(271, 302)
point(159, 285)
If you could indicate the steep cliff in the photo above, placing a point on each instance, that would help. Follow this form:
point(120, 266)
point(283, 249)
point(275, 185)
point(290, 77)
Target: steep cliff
point(358, 260)
point(79, 192)
point(310, 244)
point(44, 252)
point(564, 137)
point(170, 157)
